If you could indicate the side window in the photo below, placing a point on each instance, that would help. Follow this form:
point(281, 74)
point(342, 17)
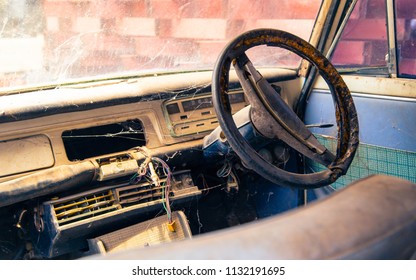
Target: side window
point(363, 42)
point(406, 37)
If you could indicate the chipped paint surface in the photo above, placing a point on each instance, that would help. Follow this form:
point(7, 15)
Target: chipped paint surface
point(376, 85)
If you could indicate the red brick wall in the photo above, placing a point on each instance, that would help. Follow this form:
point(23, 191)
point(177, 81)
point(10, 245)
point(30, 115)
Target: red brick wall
point(142, 34)
point(90, 37)
point(364, 40)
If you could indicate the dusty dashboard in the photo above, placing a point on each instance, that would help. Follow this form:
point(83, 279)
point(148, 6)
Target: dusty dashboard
point(107, 149)
point(72, 157)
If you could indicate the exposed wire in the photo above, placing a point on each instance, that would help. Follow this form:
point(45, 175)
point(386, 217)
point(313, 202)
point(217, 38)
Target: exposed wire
point(225, 170)
point(19, 223)
point(147, 169)
point(143, 170)
point(221, 186)
point(204, 182)
point(167, 186)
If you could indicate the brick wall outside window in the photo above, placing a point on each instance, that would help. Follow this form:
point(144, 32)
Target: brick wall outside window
point(93, 37)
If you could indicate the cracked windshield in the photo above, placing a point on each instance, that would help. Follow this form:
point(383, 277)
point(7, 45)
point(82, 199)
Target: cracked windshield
point(58, 41)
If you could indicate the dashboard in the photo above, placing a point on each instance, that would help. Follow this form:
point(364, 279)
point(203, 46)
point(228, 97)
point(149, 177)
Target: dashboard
point(63, 125)
point(183, 118)
point(70, 155)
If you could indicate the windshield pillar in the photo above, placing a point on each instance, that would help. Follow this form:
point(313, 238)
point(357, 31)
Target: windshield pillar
point(391, 28)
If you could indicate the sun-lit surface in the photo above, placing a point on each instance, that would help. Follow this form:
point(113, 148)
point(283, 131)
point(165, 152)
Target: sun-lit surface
point(52, 41)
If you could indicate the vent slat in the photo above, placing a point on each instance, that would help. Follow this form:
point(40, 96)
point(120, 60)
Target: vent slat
point(140, 198)
point(86, 215)
point(73, 204)
point(74, 211)
point(85, 207)
point(138, 194)
point(131, 192)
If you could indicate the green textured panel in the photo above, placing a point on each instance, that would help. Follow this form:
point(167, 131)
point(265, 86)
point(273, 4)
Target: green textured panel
point(371, 159)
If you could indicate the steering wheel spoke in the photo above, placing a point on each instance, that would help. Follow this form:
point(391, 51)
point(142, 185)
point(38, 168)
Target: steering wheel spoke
point(272, 116)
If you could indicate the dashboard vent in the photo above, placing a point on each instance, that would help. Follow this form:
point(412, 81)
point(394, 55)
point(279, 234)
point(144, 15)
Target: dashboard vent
point(137, 194)
point(94, 203)
point(82, 215)
point(84, 207)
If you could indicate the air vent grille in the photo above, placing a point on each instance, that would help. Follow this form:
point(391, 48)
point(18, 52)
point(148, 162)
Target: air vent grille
point(117, 199)
point(138, 194)
point(84, 207)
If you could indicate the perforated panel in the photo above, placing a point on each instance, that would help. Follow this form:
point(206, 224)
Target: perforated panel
point(373, 160)
point(147, 233)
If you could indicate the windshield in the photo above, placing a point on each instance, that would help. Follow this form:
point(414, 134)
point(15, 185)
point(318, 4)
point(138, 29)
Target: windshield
point(53, 41)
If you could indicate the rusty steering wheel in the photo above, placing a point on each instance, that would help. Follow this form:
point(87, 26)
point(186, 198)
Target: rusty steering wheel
point(273, 118)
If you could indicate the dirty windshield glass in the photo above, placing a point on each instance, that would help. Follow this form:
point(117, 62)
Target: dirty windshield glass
point(52, 41)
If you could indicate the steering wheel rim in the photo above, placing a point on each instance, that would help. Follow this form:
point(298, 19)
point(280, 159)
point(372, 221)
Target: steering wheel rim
point(346, 115)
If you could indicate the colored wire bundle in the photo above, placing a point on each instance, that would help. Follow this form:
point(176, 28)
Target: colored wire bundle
point(147, 169)
point(167, 187)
